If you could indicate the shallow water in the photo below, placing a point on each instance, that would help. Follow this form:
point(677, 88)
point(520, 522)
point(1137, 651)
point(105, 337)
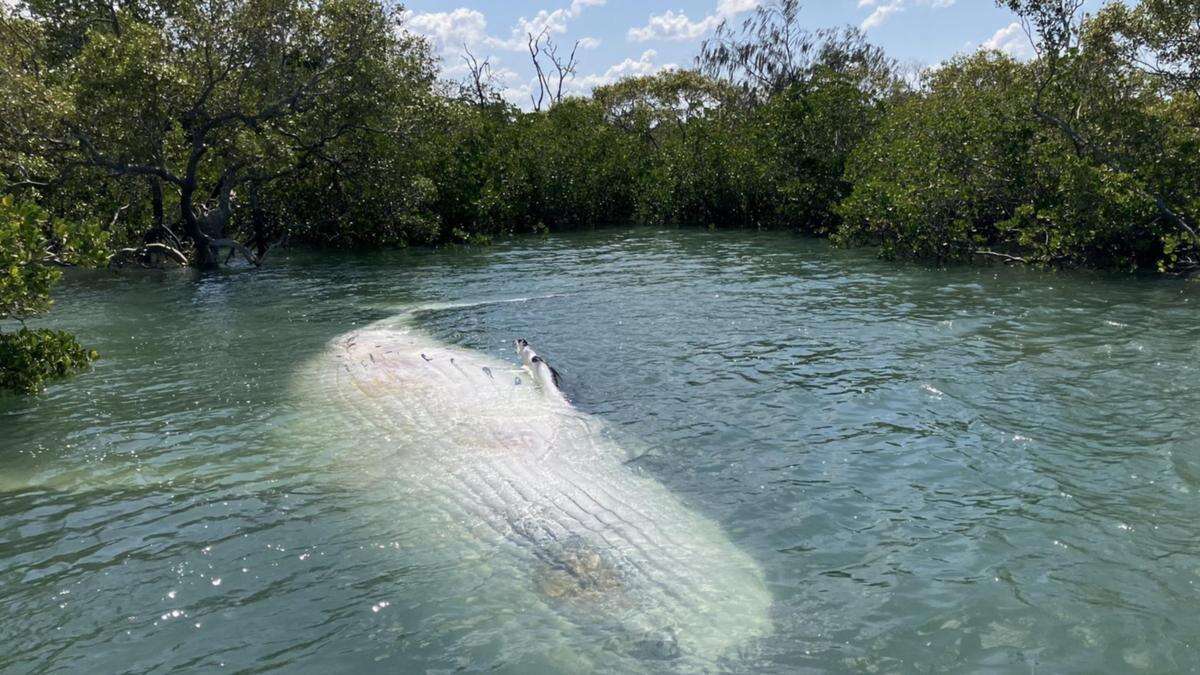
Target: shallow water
point(936, 470)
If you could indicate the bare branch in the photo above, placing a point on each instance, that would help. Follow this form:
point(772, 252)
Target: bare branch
point(95, 158)
point(482, 79)
point(1009, 259)
point(563, 69)
point(535, 51)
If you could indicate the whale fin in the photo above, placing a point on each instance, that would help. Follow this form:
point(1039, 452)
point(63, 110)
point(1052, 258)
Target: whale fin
point(554, 376)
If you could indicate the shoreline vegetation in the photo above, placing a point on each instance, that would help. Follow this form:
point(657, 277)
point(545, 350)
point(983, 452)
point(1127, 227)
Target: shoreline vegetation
point(156, 133)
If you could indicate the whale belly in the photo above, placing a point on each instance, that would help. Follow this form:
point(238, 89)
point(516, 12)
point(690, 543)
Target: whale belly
point(518, 488)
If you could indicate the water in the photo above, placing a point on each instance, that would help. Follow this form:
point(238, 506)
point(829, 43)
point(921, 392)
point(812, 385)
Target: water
point(936, 470)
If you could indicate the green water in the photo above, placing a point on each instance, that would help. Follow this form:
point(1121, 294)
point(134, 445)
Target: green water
point(953, 471)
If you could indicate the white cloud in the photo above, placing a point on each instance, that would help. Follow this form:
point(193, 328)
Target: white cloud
point(630, 67)
point(518, 95)
point(643, 65)
point(881, 11)
point(577, 6)
point(881, 14)
point(547, 22)
point(732, 7)
point(672, 25)
point(450, 29)
point(1011, 40)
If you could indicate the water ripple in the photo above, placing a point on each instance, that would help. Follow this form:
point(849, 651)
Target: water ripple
point(938, 470)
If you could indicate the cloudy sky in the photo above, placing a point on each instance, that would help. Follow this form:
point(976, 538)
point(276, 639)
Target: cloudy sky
point(626, 37)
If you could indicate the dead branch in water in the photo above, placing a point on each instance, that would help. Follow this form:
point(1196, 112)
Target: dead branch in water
point(1008, 259)
point(151, 256)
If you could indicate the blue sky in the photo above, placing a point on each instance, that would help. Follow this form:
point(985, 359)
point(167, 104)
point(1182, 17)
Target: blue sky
point(620, 37)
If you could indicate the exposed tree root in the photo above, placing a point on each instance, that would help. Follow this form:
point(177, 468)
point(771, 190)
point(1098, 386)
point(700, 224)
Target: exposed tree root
point(151, 256)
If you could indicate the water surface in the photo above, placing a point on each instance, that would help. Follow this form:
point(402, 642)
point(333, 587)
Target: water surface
point(937, 470)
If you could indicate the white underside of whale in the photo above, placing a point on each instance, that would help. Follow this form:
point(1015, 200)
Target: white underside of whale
point(550, 534)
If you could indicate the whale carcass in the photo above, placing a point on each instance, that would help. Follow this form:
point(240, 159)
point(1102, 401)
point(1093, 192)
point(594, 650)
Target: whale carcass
point(533, 505)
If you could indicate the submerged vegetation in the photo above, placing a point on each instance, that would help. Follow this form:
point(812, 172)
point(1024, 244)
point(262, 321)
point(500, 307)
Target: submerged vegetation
point(196, 132)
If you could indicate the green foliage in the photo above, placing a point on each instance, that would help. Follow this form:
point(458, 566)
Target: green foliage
point(24, 282)
point(805, 136)
point(202, 120)
point(946, 166)
point(975, 162)
point(29, 358)
point(1080, 214)
point(772, 51)
point(578, 169)
point(1117, 90)
point(499, 170)
point(691, 160)
point(29, 242)
point(366, 178)
point(709, 174)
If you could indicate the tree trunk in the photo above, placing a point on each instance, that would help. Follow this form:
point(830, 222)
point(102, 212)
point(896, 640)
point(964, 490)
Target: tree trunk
point(258, 222)
point(156, 199)
point(206, 258)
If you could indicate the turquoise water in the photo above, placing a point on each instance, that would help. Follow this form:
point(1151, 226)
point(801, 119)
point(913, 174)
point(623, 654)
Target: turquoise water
point(955, 470)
